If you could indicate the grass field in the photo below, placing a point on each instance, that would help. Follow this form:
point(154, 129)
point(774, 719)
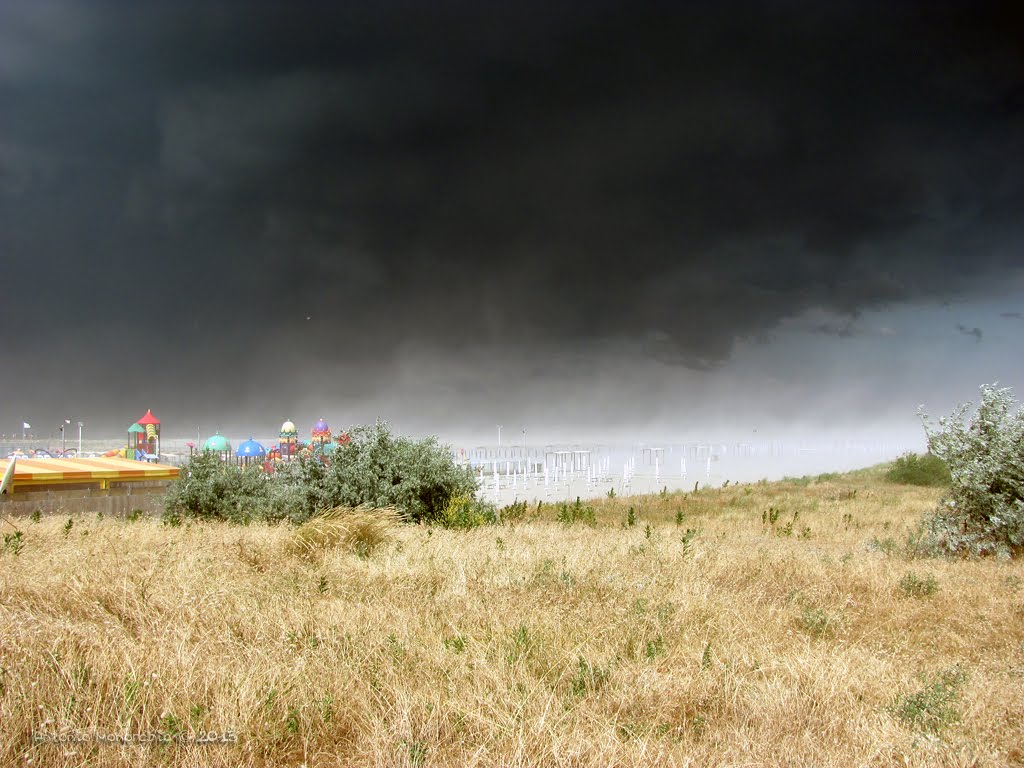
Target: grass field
point(765, 624)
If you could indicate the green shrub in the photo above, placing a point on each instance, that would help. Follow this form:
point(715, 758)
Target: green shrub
point(913, 469)
point(770, 516)
point(931, 709)
point(296, 491)
point(467, 512)
point(14, 542)
point(455, 644)
point(576, 512)
point(588, 678)
point(687, 540)
point(817, 622)
point(912, 585)
point(654, 648)
point(512, 513)
point(983, 514)
point(417, 477)
point(210, 489)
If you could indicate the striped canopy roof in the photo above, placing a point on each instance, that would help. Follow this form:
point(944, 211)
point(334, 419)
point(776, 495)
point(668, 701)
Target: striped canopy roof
point(35, 472)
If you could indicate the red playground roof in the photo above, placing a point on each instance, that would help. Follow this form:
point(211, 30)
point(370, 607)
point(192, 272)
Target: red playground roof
point(149, 418)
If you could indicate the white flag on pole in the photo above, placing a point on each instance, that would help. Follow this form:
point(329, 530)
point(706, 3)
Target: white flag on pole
point(26, 425)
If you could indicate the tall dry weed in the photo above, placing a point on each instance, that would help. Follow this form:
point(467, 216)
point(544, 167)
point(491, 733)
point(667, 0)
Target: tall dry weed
point(361, 530)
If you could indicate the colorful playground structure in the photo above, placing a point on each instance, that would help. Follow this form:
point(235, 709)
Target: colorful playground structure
point(321, 445)
point(289, 442)
point(144, 444)
point(143, 440)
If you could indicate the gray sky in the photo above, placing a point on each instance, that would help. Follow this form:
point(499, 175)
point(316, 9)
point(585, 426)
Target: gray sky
point(573, 217)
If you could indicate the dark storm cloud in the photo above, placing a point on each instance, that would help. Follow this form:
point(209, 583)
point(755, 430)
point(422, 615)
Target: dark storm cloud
point(409, 174)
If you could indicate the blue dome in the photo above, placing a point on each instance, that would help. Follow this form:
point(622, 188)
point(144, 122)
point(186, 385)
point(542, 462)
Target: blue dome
point(251, 448)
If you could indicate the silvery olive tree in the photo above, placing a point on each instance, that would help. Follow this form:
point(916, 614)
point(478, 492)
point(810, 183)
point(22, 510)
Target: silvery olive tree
point(983, 513)
point(418, 477)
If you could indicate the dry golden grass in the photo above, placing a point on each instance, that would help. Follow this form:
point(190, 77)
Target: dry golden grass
point(539, 644)
point(362, 530)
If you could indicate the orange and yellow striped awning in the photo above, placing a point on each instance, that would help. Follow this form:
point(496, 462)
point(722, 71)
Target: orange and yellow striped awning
point(29, 473)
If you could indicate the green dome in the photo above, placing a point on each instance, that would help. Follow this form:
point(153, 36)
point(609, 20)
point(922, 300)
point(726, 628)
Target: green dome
point(216, 442)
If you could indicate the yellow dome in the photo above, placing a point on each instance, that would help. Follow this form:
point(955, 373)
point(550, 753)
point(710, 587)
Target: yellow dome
point(288, 427)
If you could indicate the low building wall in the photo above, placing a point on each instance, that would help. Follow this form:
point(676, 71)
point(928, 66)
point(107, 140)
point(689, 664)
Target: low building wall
point(116, 502)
